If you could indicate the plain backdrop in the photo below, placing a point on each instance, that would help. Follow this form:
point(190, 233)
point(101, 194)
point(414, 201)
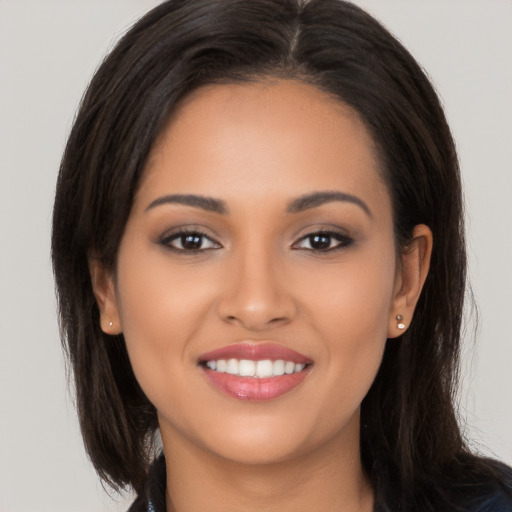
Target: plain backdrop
point(48, 52)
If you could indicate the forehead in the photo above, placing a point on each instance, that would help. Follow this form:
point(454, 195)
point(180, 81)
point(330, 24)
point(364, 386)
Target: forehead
point(271, 135)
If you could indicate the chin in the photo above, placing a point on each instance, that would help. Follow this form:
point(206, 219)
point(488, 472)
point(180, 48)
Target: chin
point(267, 441)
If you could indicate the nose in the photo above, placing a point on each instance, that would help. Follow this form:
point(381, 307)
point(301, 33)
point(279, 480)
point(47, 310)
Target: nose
point(256, 295)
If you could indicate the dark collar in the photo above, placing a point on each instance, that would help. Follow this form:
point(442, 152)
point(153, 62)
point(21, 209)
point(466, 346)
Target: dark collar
point(153, 499)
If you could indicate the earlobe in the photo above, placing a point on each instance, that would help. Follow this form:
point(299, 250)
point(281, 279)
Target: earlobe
point(102, 281)
point(411, 276)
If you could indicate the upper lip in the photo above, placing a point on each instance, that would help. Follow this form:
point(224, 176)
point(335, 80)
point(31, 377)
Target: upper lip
point(255, 351)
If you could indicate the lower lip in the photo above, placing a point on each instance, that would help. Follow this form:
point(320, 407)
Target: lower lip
point(256, 389)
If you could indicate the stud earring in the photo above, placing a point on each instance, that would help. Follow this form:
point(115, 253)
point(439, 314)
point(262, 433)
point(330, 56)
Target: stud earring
point(110, 324)
point(400, 324)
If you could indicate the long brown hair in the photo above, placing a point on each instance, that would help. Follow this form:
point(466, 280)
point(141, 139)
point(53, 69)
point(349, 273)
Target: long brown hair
point(411, 446)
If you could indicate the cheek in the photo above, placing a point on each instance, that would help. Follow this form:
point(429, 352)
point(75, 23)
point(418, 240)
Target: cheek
point(160, 309)
point(159, 302)
point(350, 309)
point(355, 296)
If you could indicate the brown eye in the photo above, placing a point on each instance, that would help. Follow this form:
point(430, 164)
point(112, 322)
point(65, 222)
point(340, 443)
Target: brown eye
point(320, 241)
point(189, 242)
point(323, 241)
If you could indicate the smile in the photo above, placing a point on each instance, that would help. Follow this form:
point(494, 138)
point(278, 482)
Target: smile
point(255, 371)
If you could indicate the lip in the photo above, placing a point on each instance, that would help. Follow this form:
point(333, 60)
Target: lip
point(250, 388)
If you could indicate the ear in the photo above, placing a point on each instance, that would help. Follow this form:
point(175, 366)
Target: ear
point(410, 278)
point(104, 291)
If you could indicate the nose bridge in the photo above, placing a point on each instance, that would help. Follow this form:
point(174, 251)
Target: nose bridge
point(256, 295)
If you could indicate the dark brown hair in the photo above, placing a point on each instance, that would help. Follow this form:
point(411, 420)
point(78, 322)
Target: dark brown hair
point(411, 446)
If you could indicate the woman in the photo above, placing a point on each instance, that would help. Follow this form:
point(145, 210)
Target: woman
point(259, 251)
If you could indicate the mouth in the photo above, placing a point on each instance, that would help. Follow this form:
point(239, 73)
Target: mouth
point(255, 371)
point(261, 369)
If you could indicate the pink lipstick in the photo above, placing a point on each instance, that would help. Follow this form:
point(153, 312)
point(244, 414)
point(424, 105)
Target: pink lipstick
point(255, 371)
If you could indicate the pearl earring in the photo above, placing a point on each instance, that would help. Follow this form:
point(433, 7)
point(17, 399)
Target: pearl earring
point(399, 319)
point(110, 324)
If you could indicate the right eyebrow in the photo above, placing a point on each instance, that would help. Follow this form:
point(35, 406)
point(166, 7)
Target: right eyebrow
point(316, 199)
point(196, 201)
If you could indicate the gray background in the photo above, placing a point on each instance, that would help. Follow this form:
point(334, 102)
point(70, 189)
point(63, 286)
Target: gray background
point(48, 52)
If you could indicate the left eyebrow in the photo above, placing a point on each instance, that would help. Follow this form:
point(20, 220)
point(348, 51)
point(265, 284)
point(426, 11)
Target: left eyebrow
point(316, 199)
point(195, 201)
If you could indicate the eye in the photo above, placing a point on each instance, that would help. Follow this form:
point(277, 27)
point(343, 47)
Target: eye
point(189, 241)
point(323, 241)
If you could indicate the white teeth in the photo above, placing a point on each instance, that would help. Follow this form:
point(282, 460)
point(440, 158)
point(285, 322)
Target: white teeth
point(289, 367)
point(232, 367)
point(247, 368)
point(264, 368)
point(221, 365)
point(261, 369)
point(278, 367)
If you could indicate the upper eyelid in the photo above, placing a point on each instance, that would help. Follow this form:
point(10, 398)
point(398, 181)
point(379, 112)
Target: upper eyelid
point(177, 234)
point(329, 230)
point(185, 229)
point(325, 232)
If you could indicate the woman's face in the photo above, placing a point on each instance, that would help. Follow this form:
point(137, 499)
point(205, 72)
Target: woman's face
point(262, 233)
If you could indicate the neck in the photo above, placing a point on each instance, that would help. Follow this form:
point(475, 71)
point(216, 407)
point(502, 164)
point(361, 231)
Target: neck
point(327, 479)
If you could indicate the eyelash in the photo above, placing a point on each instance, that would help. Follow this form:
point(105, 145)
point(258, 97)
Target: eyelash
point(343, 241)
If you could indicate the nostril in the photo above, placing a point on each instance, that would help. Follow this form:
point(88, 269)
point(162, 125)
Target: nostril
point(277, 320)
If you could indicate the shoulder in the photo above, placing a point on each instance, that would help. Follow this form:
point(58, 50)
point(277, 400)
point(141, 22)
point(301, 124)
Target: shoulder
point(493, 500)
point(468, 483)
point(487, 487)
point(139, 505)
point(153, 499)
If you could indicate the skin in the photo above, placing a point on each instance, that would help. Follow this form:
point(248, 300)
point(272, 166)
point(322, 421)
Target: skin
point(257, 147)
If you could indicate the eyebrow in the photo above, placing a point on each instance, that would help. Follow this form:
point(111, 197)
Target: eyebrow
point(205, 203)
point(316, 199)
point(300, 204)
